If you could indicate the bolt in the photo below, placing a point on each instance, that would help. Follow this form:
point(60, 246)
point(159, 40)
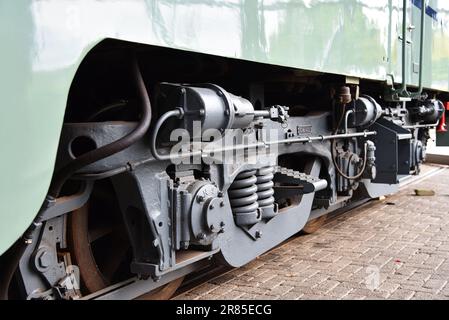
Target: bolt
point(220, 194)
point(222, 224)
point(211, 207)
point(258, 234)
point(200, 198)
point(184, 245)
point(222, 204)
point(201, 236)
point(45, 259)
point(212, 227)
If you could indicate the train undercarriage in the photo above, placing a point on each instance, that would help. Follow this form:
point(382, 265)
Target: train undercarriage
point(172, 161)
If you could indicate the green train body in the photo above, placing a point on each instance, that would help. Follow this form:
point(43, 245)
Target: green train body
point(49, 46)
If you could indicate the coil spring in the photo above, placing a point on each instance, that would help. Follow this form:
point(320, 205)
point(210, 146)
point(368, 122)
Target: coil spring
point(265, 192)
point(243, 198)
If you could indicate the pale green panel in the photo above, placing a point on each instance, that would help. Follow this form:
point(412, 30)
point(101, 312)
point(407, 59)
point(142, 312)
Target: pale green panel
point(437, 64)
point(436, 46)
point(44, 41)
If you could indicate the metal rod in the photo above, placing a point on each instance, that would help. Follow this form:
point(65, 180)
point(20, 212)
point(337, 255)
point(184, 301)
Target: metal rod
point(261, 113)
point(205, 153)
point(421, 125)
point(421, 49)
point(403, 89)
point(349, 112)
point(421, 46)
point(323, 138)
point(178, 113)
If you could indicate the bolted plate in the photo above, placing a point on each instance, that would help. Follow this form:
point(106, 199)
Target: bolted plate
point(215, 211)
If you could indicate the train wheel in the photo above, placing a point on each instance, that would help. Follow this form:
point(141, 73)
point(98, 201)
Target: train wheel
point(313, 225)
point(99, 246)
point(164, 292)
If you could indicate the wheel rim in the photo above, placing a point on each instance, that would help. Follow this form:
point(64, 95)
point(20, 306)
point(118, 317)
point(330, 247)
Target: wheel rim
point(164, 292)
point(313, 225)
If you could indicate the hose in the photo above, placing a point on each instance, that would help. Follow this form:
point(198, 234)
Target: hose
point(112, 148)
point(358, 175)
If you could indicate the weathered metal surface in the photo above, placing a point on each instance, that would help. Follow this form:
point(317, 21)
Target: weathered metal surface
point(43, 43)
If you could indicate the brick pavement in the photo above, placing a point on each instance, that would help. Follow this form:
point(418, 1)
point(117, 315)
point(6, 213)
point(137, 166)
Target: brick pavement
point(397, 248)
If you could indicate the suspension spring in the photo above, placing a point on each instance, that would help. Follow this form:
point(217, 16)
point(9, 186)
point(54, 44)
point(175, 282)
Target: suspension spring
point(265, 192)
point(243, 198)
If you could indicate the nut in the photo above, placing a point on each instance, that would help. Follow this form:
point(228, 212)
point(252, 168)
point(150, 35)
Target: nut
point(45, 259)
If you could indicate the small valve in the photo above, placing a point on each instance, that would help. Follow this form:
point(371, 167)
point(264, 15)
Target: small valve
point(279, 113)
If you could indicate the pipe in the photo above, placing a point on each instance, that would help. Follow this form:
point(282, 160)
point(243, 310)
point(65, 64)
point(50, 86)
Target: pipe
point(349, 112)
point(261, 113)
point(360, 173)
point(107, 150)
point(330, 137)
point(99, 175)
point(422, 125)
point(204, 153)
point(172, 113)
